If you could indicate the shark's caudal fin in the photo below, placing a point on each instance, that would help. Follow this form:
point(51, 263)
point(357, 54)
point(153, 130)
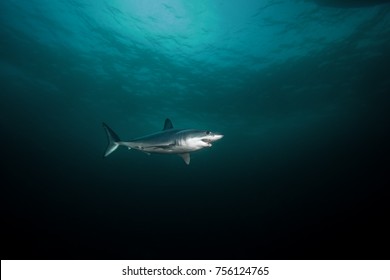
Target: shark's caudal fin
point(113, 140)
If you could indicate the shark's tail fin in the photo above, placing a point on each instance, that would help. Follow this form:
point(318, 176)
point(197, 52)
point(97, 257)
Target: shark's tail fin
point(113, 140)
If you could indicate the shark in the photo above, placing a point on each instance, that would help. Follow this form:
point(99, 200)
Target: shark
point(169, 140)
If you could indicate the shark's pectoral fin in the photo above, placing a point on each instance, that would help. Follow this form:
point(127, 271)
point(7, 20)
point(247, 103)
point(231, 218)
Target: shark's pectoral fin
point(185, 157)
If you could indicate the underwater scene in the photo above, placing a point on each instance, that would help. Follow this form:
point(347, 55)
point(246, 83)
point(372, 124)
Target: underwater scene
point(208, 129)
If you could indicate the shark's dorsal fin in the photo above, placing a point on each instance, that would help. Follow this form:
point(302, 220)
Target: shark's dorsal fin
point(185, 157)
point(167, 124)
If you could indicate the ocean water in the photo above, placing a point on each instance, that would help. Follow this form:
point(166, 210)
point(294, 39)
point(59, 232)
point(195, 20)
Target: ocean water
point(300, 90)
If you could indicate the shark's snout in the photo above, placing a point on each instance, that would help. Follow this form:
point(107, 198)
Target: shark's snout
point(214, 137)
point(211, 137)
point(217, 136)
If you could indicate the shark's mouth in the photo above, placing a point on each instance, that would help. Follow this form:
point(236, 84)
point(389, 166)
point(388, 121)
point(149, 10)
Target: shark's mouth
point(208, 141)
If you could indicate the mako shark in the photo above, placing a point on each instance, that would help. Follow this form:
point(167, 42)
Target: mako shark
point(168, 141)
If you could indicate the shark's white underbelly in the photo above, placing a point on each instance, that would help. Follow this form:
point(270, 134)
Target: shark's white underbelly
point(168, 150)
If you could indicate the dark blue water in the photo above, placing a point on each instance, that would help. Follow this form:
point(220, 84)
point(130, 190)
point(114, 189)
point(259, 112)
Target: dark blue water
point(300, 89)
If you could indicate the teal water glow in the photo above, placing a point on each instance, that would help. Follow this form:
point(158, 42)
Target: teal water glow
point(299, 89)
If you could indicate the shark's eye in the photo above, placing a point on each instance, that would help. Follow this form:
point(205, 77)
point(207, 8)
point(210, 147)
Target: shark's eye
point(208, 132)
